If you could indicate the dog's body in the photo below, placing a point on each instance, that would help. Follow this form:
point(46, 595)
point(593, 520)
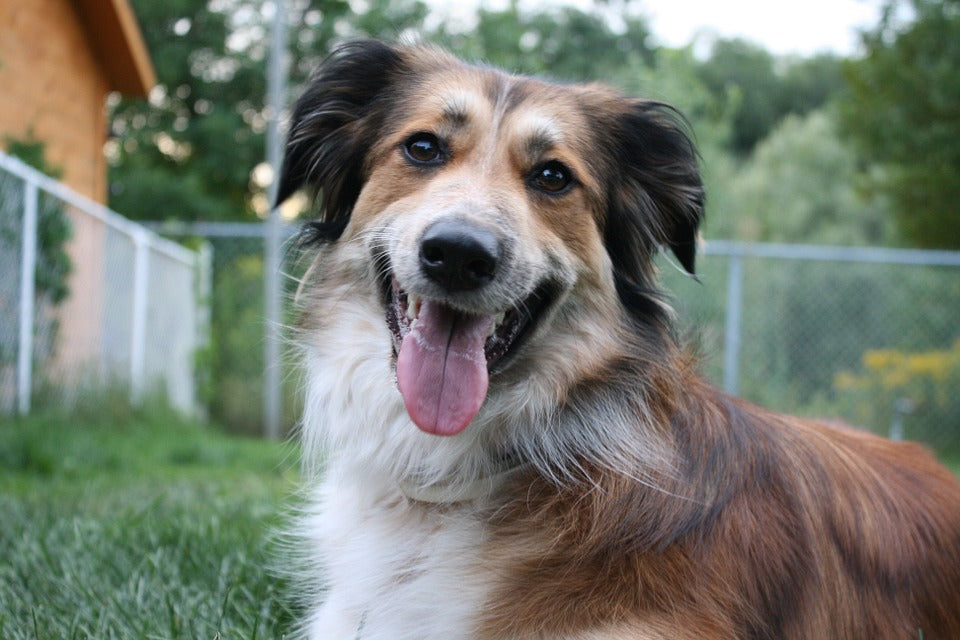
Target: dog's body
point(516, 446)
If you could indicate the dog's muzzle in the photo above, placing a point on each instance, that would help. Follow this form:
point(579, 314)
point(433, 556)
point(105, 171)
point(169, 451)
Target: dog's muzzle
point(447, 347)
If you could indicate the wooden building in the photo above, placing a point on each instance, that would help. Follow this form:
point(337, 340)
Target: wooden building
point(58, 61)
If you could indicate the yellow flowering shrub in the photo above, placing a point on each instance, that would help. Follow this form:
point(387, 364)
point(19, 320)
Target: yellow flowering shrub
point(927, 381)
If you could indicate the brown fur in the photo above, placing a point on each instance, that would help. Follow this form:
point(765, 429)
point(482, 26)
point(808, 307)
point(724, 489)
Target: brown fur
point(718, 519)
point(777, 528)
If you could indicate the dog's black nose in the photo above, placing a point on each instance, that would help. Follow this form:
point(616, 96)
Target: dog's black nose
point(459, 256)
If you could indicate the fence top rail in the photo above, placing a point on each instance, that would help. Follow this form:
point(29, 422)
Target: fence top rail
point(832, 253)
point(220, 229)
point(102, 213)
point(709, 247)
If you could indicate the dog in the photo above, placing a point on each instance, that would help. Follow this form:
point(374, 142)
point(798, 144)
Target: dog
point(515, 443)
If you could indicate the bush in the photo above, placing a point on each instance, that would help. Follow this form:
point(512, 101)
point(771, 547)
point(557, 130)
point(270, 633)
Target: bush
point(922, 385)
point(53, 227)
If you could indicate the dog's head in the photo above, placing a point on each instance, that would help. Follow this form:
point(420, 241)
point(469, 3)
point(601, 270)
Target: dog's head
point(501, 215)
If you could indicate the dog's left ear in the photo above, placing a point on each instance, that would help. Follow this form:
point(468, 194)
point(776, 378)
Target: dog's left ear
point(333, 123)
point(658, 196)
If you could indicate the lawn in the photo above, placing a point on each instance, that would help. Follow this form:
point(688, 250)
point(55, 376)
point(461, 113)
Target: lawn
point(142, 525)
point(122, 523)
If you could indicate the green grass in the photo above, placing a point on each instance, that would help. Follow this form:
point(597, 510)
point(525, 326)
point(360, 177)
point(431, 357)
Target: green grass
point(140, 525)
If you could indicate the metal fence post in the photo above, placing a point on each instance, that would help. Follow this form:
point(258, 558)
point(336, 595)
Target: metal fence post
point(731, 341)
point(204, 292)
point(28, 266)
point(273, 392)
point(138, 330)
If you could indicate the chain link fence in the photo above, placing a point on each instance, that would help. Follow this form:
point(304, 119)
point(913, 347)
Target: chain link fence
point(233, 380)
point(90, 300)
point(867, 336)
point(864, 335)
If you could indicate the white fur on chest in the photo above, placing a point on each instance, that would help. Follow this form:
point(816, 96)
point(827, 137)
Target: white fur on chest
point(393, 569)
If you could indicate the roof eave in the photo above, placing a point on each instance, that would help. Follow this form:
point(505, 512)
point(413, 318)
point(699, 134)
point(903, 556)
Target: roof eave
point(116, 37)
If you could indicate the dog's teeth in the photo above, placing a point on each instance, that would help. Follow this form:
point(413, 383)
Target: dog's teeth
point(497, 321)
point(413, 307)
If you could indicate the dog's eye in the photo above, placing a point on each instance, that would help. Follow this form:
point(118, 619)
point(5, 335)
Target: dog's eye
point(551, 177)
point(423, 148)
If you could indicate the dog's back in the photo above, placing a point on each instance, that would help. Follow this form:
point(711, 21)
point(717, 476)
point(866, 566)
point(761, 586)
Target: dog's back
point(773, 527)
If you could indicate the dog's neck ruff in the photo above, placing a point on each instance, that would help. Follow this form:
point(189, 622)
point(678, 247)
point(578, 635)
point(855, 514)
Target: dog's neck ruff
point(453, 492)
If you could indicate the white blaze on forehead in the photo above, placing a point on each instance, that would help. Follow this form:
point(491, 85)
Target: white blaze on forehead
point(539, 131)
point(462, 104)
point(534, 123)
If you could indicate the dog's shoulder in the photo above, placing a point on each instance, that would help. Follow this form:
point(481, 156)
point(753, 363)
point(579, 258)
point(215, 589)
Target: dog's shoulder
point(762, 515)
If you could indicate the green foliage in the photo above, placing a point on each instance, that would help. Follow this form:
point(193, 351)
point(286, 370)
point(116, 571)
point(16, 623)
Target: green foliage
point(124, 522)
point(807, 84)
point(187, 153)
point(903, 112)
point(32, 152)
point(237, 325)
point(922, 384)
point(673, 77)
point(563, 43)
point(743, 74)
point(761, 90)
point(53, 226)
point(235, 358)
point(800, 185)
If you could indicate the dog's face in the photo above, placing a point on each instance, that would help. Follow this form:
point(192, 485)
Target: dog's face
point(506, 224)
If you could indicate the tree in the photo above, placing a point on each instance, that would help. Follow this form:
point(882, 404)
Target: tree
point(188, 152)
point(743, 74)
point(809, 83)
point(799, 185)
point(562, 43)
point(760, 89)
point(903, 112)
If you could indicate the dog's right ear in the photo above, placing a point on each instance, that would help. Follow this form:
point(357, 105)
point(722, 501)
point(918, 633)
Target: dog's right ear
point(333, 123)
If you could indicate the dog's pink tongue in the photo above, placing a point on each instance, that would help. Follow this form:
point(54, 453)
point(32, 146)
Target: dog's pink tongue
point(442, 370)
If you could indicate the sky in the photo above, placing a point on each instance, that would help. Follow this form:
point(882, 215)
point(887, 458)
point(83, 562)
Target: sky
point(783, 28)
point(804, 28)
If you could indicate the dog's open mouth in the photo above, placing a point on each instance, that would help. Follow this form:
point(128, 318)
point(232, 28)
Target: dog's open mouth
point(445, 356)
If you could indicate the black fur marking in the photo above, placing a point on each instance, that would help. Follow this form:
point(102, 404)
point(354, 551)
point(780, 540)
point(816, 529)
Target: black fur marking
point(342, 109)
point(656, 194)
point(644, 303)
point(316, 232)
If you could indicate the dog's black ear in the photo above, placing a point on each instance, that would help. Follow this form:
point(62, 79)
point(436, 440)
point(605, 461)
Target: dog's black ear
point(333, 123)
point(657, 197)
